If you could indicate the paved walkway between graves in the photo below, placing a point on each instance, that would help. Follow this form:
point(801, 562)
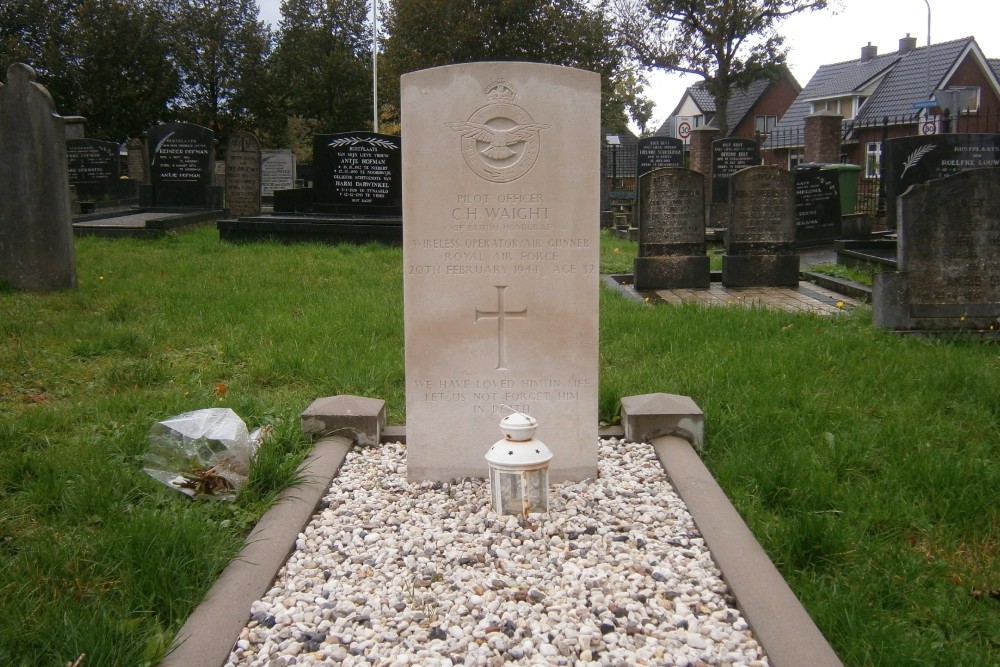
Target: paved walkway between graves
point(806, 297)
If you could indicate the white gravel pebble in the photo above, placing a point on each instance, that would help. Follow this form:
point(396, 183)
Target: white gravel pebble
point(391, 574)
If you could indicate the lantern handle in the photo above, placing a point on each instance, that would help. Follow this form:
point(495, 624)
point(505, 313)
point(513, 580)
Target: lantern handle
point(513, 411)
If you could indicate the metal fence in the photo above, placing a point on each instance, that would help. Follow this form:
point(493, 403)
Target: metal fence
point(861, 144)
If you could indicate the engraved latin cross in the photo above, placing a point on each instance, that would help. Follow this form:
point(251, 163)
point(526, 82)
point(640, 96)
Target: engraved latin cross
point(501, 314)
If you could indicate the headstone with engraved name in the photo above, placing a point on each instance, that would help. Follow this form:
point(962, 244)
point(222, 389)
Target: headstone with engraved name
point(357, 173)
point(672, 231)
point(501, 262)
point(36, 231)
point(657, 153)
point(94, 167)
point(760, 237)
point(137, 160)
point(912, 160)
point(728, 157)
point(243, 175)
point(948, 258)
point(277, 172)
point(181, 166)
point(817, 207)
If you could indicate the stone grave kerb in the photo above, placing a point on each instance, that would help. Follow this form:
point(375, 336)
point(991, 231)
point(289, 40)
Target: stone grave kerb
point(358, 417)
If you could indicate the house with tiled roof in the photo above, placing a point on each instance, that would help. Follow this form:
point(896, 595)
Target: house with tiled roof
point(619, 149)
point(753, 110)
point(893, 95)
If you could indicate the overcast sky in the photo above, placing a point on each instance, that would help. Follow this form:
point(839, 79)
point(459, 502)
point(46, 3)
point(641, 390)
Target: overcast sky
point(820, 38)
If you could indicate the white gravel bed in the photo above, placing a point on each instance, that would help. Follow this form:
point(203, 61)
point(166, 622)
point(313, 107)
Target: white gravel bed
point(391, 573)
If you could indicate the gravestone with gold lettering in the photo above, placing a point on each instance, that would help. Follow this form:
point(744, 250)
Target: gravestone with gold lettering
point(501, 262)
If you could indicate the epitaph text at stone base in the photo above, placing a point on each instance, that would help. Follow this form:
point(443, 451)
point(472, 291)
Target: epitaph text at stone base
point(501, 262)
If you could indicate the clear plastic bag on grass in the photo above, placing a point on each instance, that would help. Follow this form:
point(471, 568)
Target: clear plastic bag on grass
point(204, 453)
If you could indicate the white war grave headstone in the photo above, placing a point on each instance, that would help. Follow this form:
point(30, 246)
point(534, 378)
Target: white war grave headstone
point(501, 262)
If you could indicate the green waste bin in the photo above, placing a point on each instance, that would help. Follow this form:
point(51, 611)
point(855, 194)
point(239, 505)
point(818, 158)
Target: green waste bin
point(847, 176)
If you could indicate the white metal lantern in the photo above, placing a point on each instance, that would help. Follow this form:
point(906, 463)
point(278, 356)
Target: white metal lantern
point(519, 468)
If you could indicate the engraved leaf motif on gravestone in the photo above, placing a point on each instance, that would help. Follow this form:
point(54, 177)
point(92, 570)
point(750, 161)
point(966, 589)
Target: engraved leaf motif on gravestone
point(354, 141)
point(500, 141)
point(915, 157)
point(156, 151)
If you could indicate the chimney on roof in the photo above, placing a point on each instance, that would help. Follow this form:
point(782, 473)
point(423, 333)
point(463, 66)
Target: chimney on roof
point(868, 52)
point(907, 44)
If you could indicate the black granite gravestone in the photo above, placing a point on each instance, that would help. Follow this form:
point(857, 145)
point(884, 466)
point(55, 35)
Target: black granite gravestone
point(672, 231)
point(357, 173)
point(181, 166)
point(817, 207)
point(949, 258)
point(657, 153)
point(760, 238)
point(911, 160)
point(728, 157)
point(94, 168)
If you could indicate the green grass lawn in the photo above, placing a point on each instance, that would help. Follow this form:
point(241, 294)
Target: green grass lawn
point(865, 463)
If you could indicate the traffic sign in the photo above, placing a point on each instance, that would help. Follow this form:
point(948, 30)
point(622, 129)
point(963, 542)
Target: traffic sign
point(925, 104)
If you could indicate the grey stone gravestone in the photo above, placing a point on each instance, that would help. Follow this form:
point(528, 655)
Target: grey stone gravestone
point(181, 166)
point(672, 231)
point(243, 175)
point(817, 207)
point(949, 258)
point(94, 168)
point(137, 161)
point(760, 237)
point(501, 262)
point(912, 160)
point(36, 231)
point(277, 172)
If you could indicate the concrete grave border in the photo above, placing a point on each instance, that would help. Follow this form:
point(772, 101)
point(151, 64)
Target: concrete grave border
point(673, 424)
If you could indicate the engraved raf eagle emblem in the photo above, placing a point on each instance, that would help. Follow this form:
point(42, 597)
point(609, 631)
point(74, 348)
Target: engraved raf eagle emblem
point(500, 141)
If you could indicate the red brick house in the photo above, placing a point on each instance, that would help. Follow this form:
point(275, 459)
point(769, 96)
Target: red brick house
point(892, 95)
point(753, 111)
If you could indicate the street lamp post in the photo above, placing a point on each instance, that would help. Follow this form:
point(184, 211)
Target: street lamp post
point(927, 56)
point(375, 65)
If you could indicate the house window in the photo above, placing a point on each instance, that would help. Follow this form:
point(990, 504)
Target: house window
point(764, 124)
point(873, 159)
point(796, 156)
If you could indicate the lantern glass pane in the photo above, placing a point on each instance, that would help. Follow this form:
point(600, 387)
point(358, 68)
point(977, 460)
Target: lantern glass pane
point(519, 492)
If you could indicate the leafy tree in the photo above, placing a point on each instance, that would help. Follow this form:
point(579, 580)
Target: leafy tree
point(220, 55)
point(33, 32)
point(429, 33)
point(323, 64)
point(107, 60)
point(730, 43)
point(123, 76)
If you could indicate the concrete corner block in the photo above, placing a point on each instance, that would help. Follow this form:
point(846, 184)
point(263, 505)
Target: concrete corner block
point(359, 417)
point(649, 416)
